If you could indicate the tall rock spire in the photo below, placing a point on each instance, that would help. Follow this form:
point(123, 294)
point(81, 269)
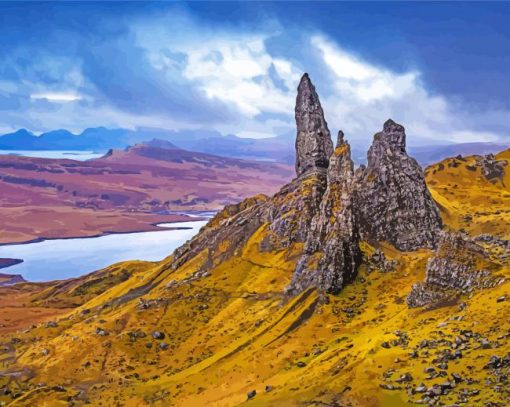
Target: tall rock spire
point(313, 142)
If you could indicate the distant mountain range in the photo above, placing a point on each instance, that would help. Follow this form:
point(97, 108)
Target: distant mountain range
point(276, 149)
point(279, 149)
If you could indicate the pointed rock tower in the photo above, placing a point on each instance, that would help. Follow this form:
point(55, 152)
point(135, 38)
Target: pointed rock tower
point(313, 141)
point(393, 201)
point(332, 254)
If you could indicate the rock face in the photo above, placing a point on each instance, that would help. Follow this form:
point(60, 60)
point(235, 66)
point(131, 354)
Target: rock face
point(458, 265)
point(331, 254)
point(393, 201)
point(313, 141)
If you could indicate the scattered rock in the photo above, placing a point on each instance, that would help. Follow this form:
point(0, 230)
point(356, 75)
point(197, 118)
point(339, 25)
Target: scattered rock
point(101, 332)
point(407, 377)
point(158, 335)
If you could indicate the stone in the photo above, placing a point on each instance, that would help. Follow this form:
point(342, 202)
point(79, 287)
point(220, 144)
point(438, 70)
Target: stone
point(158, 335)
point(392, 197)
point(456, 377)
point(420, 389)
point(313, 141)
point(406, 377)
point(101, 332)
point(252, 394)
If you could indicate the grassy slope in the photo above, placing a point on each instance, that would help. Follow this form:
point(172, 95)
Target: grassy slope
point(231, 332)
point(462, 192)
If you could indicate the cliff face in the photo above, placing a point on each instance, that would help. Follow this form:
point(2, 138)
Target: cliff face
point(393, 200)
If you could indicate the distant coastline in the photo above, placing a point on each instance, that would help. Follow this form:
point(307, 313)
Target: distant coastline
point(4, 263)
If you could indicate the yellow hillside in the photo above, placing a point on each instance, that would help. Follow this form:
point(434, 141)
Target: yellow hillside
point(233, 332)
point(469, 200)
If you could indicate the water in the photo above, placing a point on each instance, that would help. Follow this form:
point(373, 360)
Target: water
point(72, 155)
point(66, 258)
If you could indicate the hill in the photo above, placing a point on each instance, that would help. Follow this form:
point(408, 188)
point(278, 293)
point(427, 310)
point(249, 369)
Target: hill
point(123, 191)
point(346, 287)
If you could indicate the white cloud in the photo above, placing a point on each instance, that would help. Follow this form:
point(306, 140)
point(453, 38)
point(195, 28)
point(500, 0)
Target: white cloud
point(58, 97)
point(236, 71)
point(363, 96)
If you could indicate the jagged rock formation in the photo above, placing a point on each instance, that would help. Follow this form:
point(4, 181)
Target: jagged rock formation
point(313, 141)
point(393, 201)
point(458, 265)
point(316, 209)
point(492, 169)
point(331, 254)
point(327, 206)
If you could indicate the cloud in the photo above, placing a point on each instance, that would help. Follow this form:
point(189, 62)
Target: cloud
point(56, 97)
point(362, 96)
point(232, 67)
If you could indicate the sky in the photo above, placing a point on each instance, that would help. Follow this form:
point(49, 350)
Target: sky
point(440, 69)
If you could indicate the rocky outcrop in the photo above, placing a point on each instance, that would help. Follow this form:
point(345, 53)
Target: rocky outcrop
point(313, 141)
point(379, 262)
point(393, 201)
point(492, 169)
point(332, 254)
point(459, 265)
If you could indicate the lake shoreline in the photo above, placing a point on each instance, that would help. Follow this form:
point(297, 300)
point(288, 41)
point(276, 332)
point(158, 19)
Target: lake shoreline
point(47, 260)
point(151, 227)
